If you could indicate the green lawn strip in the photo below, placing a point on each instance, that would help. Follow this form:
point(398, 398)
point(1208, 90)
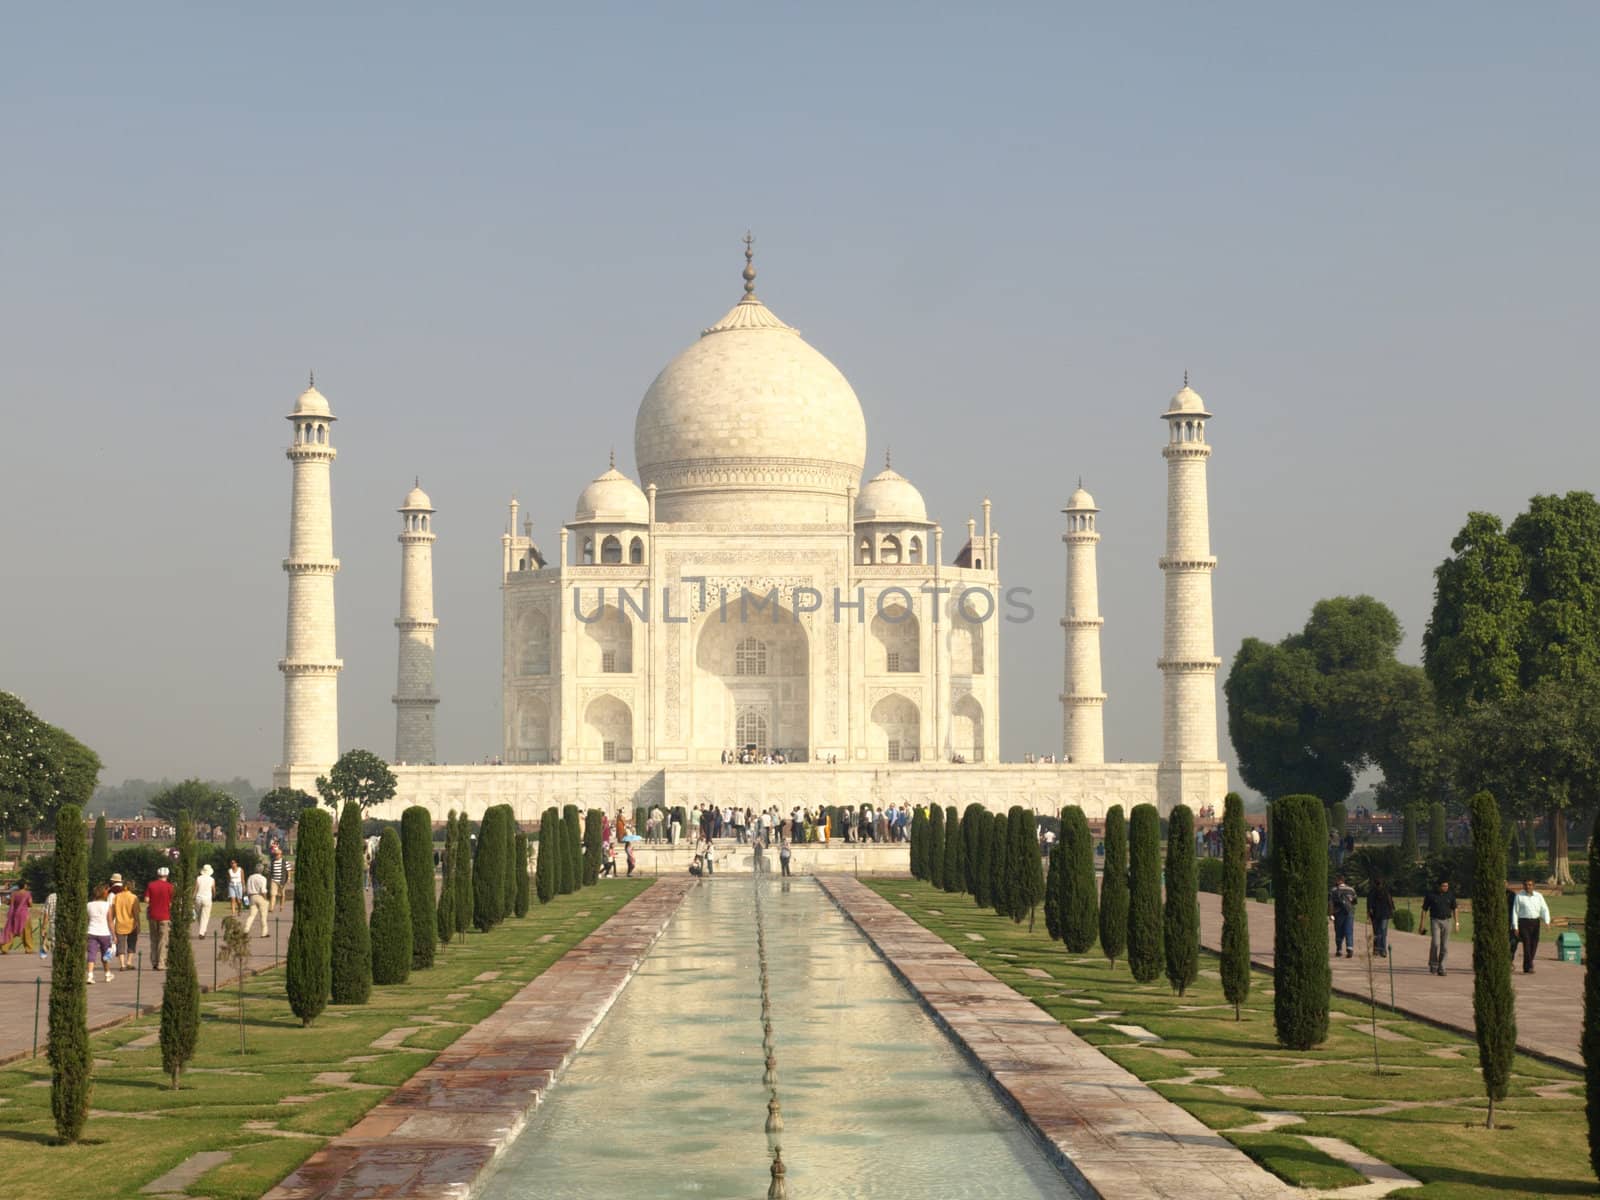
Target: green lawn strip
point(141, 1129)
point(1295, 1159)
point(1424, 1114)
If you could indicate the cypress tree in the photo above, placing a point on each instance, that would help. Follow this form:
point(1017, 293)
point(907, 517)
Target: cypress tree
point(508, 852)
point(180, 995)
point(952, 851)
point(230, 827)
point(416, 839)
point(524, 891)
point(999, 846)
point(1080, 911)
point(971, 858)
point(936, 845)
point(982, 834)
point(71, 1063)
point(1436, 833)
point(1052, 890)
point(1494, 1011)
point(488, 872)
point(1513, 850)
point(308, 971)
point(1338, 818)
point(1144, 893)
point(572, 847)
point(390, 926)
point(463, 873)
point(1590, 1042)
point(1235, 965)
point(99, 854)
point(1114, 887)
point(447, 882)
point(1180, 920)
point(352, 942)
point(1301, 978)
point(548, 868)
point(919, 839)
point(1025, 875)
point(593, 844)
point(1408, 835)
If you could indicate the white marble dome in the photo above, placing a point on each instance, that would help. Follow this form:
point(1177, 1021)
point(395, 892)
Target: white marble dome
point(750, 423)
point(1080, 500)
point(312, 403)
point(1187, 400)
point(890, 496)
point(613, 498)
point(417, 499)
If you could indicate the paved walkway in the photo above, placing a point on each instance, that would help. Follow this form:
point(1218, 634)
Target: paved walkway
point(1549, 1002)
point(114, 1001)
point(1111, 1134)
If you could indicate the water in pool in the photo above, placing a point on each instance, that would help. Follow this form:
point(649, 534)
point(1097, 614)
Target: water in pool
point(667, 1097)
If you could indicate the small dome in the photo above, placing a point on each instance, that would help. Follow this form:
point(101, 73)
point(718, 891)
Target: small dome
point(416, 498)
point(614, 498)
point(312, 403)
point(1080, 500)
point(890, 496)
point(1187, 401)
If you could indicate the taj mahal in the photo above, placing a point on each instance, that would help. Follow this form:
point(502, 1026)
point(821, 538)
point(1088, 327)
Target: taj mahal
point(755, 597)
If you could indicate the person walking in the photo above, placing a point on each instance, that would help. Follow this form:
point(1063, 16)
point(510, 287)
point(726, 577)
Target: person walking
point(235, 885)
point(158, 908)
point(17, 918)
point(632, 863)
point(783, 856)
point(277, 877)
point(1342, 908)
point(1380, 908)
point(124, 922)
point(1530, 909)
point(101, 944)
point(205, 890)
point(1440, 906)
point(256, 897)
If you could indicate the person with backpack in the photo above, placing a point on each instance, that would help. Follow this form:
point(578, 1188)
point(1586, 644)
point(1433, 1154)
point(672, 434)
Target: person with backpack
point(1380, 909)
point(1342, 908)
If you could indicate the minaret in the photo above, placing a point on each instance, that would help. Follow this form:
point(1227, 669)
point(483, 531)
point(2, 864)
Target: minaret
point(1188, 661)
point(414, 698)
point(1082, 701)
point(310, 663)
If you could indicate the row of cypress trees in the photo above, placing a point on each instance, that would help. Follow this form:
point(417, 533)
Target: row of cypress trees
point(566, 860)
point(993, 857)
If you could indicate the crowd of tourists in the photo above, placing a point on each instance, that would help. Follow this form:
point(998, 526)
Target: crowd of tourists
point(800, 825)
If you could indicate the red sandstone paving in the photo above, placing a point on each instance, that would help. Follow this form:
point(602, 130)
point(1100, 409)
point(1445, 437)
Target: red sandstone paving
point(1108, 1130)
point(438, 1132)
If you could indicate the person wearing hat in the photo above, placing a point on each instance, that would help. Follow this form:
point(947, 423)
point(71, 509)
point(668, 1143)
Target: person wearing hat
point(158, 907)
point(124, 922)
point(205, 888)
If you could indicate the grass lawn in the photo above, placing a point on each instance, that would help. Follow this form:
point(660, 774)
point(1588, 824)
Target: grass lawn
point(293, 1088)
point(1424, 1114)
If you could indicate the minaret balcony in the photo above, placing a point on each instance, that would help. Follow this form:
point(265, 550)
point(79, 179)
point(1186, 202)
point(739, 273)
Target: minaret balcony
point(413, 624)
point(1208, 563)
point(310, 452)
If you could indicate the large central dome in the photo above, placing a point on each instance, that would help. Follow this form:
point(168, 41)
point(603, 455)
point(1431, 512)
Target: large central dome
point(750, 424)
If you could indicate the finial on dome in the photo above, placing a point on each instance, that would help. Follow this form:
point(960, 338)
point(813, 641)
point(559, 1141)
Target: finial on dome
point(313, 381)
point(749, 264)
point(888, 460)
point(613, 458)
point(1186, 377)
point(417, 481)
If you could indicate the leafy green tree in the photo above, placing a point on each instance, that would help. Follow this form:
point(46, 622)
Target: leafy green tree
point(547, 871)
point(936, 845)
point(593, 845)
point(80, 767)
point(463, 874)
point(972, 860)
point(71, 1063)
point(982, 877)
point(201, 803)
point(572, 844)
point(1494, 1011)
point(1590, 1041)
point(352, 941)
point(361, 778)
point(524, 889)
point(32, 775)
point(416, 839)
point(1235, 964)
point(1180, 919)
point(1144, 893)
point(999, 846)
point(1114, 887)
point(180, 994)
point(1052, 891)
point(1559, 537)
point(446, 911)
point(489, 871)
point(1080, 911)
point(389, 930)
point(284, 807)
point(1472, 648)
point(951, 876)
point(1301, 978)
point(100, 852)
point(1437, 841)
point(308, 970)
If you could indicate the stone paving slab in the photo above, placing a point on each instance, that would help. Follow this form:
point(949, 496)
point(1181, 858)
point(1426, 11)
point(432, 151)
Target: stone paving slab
point(438, 1132)
point(1112, 1135)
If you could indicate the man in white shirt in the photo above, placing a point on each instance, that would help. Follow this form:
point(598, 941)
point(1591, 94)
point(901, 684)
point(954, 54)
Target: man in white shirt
point(255, 890)
point(1529, 910)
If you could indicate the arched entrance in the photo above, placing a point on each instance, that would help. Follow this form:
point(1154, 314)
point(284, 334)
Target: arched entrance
point(751, 684)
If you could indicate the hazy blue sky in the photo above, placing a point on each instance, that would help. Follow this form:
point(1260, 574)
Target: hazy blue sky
point(1369, 231)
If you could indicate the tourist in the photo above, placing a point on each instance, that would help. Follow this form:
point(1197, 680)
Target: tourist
point(158, 908)
point(101, 944)
point(676, 827)
point(47, 927)
point(235, 885)
point(205, 889)
point(124, 922)
point(17, 920)
point(709, 855)
point(278, 877)
point(631, 863)
point(784, 854)
point(1342, 908)
point(256, 897)
point(1530, 910)
point(608, 860)
point(1440, 906)
point(1380, 908)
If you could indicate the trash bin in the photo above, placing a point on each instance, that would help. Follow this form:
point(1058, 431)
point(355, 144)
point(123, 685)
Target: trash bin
point(1569, 946)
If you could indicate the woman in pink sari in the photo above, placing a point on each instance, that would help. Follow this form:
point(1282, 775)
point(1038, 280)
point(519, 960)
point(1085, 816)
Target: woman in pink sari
point(17, 921)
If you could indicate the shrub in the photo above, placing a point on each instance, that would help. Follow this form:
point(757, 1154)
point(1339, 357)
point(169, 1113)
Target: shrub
point(100, 853)
point(1261, 895)
point(1590, 1041)
point(982, 834)
point(548, 869)
point(952, 851)
point(308, 970)
point(1052, 891)
point(489, 871)
point(138, 865)
point(180, 994)
point(572, 856)
point(1180, 919)
point(462, 868)
point(1301, 978)
point(1406, 921)
point(936, 845)
point(1080, 910)
point(1144, 893)
point(593, 845)
point(1494, 1013)
point(416, 841)
point(446, 913)
point(390, 926)
point(971, 859)
point(248, 857)
point(1114, 887)
point(1235, 964)
point(1208, 875)
point(524, 891)
point(352, 943)
point(71, 1063)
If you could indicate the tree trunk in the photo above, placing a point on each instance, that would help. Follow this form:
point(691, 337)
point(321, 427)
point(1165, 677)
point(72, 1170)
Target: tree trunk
point(22, 849)
point(1560, 866)
point(1489, 1124)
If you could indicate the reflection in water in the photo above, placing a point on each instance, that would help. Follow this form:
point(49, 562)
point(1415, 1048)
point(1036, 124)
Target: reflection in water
point(667, 1098)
